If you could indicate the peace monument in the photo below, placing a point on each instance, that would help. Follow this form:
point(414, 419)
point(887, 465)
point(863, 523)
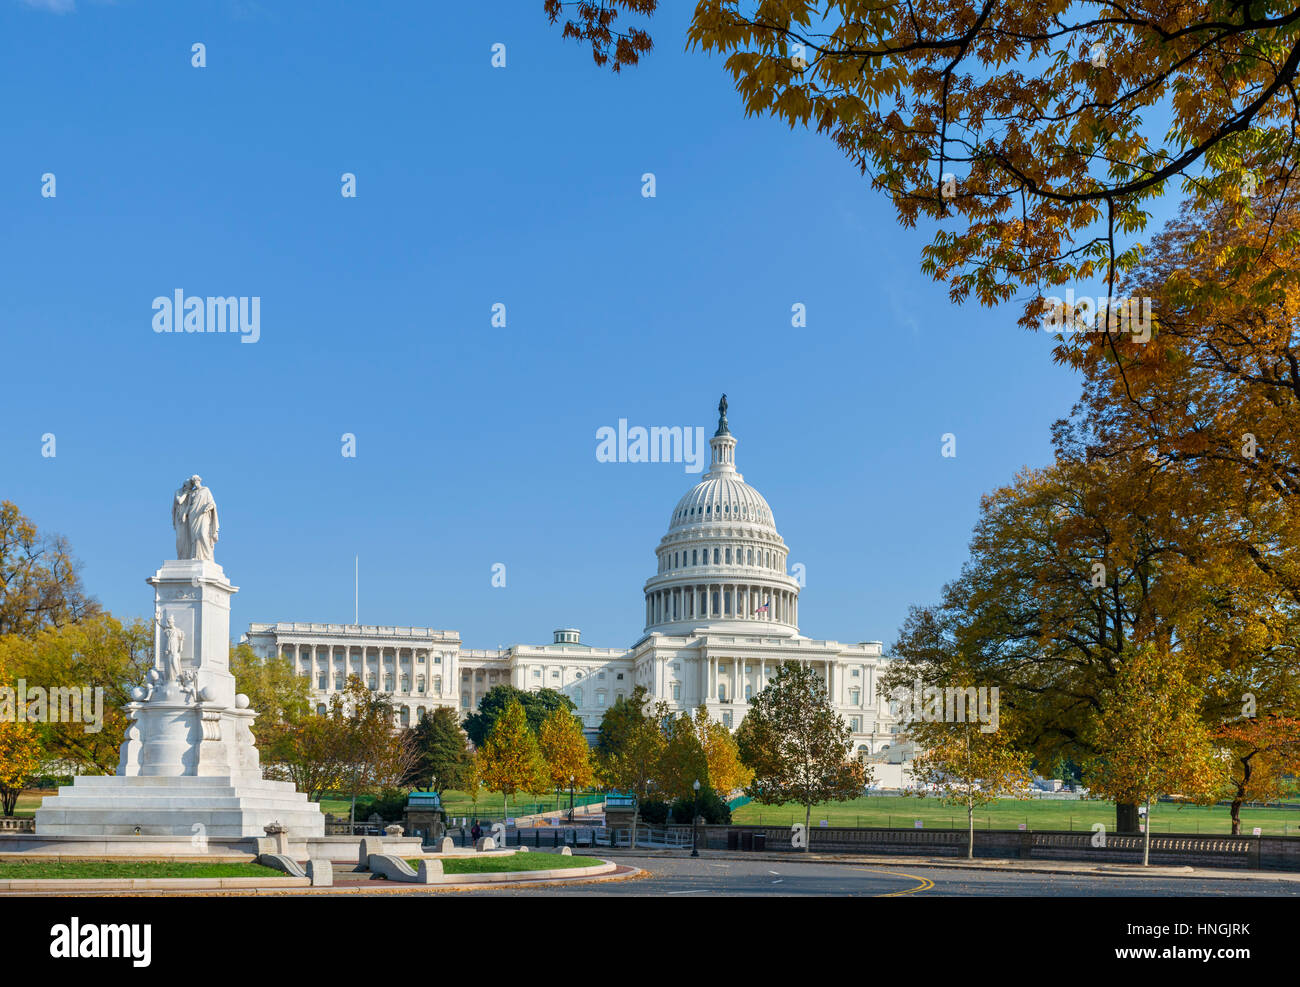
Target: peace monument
point(189, 764)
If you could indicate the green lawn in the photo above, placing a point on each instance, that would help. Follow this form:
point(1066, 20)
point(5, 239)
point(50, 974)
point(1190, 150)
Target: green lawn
point(122, 869)
point(459, 804)
point(901, 812)
point(500, 863)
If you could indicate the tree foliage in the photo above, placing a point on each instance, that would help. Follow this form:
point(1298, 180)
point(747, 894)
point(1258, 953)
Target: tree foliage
point(40, 579)
point(565, 750)
point(510, 760)
point(98, 652)
point(442, 752)
point(1033, 137)
point(537, 705)
point(799, 747)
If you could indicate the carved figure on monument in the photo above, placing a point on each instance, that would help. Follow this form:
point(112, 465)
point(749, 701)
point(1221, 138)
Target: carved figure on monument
point(173, 641)
point(194, 516)
point(178, 521)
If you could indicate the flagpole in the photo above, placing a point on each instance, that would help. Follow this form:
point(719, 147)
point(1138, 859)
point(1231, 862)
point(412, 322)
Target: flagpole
point(356, 591)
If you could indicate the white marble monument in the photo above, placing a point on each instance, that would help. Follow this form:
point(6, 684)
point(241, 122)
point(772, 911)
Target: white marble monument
point(189, 764)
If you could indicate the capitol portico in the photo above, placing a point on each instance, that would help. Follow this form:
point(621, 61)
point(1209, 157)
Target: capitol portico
point(721, 614)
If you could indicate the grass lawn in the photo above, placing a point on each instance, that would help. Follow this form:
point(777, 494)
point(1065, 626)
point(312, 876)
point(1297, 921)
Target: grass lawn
point(497, 864)
point(458, 804)
point(900, 812)
point(88, 869)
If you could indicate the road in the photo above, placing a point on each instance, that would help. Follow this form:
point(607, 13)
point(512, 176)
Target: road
point(685, 877)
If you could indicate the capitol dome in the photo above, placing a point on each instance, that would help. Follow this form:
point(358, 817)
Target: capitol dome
point(722, 564)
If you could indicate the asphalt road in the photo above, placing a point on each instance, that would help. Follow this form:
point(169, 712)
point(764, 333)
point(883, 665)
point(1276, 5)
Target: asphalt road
point(730, 878)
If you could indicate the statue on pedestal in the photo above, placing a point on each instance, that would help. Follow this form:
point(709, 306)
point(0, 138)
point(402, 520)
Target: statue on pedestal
point(194, 516)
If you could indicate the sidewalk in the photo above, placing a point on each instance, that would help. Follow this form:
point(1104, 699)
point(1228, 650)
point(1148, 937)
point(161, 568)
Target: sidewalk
point(1062, 867)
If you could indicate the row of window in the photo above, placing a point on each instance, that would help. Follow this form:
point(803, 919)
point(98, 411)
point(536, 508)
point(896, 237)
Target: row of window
point(767, 559)
point(339, 659)
point(723, 512)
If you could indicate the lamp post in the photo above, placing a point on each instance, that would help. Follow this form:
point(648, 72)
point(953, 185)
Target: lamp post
point(695, 820)
point(571, 777)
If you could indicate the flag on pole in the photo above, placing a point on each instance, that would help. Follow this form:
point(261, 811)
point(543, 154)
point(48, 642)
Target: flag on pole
point(765, 606)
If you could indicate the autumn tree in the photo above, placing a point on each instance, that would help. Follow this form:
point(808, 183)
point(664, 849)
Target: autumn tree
point(98, 653)
point(727, 772)
point(1035, 139)
point(471, 779)
point(1150, 737)
point(312, 756)
point(798, 746)
point(967, 764)
point(510, 760)
point(372, 754)
point(21, 757)
point(1265, 754)
point(40, 579)
point(565, 751)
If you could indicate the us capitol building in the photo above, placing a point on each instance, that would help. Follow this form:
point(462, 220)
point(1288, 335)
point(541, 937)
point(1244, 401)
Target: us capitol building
point(721, 615)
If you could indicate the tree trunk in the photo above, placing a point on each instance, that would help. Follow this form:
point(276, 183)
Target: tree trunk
point(1126, 817)
point(1236, 816)
point(970, 822)
point(636, 814)
point(807, 831)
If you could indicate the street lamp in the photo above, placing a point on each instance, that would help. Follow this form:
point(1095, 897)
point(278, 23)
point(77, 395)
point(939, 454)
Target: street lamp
point(695, 820)
point(571, 798)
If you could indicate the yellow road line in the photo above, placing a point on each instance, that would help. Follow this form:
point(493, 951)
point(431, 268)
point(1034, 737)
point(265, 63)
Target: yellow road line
point(925, 883)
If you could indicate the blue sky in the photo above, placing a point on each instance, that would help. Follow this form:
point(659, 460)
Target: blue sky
point(475, 445)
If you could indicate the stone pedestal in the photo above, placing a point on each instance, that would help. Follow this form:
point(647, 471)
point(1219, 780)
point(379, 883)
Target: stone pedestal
point(189, 765)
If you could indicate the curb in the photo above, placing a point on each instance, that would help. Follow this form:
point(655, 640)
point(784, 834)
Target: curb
point(150, 883)
point(295, 886)
point(1064, 868)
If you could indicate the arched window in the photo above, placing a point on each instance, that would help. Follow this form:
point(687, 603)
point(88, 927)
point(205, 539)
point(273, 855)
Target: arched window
point(695, 556)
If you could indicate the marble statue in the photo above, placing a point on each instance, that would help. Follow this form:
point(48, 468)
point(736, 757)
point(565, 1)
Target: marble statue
point(194, 516)
point(173, 640)
point(178, 521)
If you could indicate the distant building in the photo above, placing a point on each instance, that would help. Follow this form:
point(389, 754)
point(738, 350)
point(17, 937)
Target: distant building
point(721, 614)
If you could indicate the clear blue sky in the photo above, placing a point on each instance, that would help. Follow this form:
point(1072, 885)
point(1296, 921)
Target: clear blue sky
point(475, 444)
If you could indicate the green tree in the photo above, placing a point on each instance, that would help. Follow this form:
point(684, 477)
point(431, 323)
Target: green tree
point(799, 747)
point(1151, 739)
point(279, 696)
point(631, 744)
point(536, 705)
point(510, 760)
point(442, 752)
point(682, 760)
